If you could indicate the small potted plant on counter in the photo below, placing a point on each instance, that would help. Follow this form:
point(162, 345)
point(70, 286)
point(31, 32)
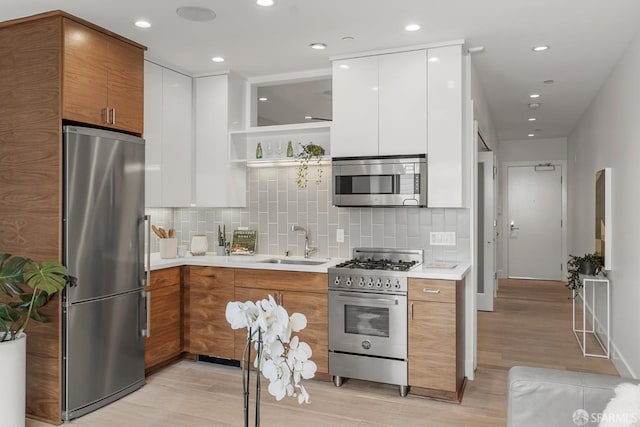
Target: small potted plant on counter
point(587, 264)
point(25, 287)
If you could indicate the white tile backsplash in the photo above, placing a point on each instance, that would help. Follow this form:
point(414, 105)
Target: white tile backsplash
point(275, 203)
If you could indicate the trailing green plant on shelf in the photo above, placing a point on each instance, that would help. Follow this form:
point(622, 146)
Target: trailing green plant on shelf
point(310, 152)
point(26, 287)
point(587, 264)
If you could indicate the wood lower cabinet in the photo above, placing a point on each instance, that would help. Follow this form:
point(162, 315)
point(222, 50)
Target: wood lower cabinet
point(165, 340)
point(209, 290)
point(300, 292)
point(436, 338)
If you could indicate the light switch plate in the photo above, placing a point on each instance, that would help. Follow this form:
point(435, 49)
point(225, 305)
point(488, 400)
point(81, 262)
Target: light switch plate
point(442, 238)
point(340, 235)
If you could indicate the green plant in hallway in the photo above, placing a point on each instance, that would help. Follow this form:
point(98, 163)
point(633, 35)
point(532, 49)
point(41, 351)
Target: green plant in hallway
point(310, 152)
point(587, 264)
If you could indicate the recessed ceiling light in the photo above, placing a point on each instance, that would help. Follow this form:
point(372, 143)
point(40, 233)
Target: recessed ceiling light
point(308, 117)
point(534, 95)
point(532, 119)
point(142, 24)
point(347, 38)
point(318, 46)
point(263, 98)
point(196, 13)
point(540, 48)
point(534, 105)
point(530, 135)
point(217, 59)
point(434, 59)
point(344, 66)
point(265, 2)
point(412, 27)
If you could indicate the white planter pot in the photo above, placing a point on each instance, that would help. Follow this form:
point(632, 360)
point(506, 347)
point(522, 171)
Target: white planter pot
point(13, 355)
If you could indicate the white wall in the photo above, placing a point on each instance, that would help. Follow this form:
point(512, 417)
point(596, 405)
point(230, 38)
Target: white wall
point(525, 150)
point(608, 135)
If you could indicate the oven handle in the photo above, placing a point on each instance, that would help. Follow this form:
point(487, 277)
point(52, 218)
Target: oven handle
point(366, 299)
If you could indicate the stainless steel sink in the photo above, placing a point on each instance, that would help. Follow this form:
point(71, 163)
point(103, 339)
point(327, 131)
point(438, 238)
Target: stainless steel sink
point(293, 261)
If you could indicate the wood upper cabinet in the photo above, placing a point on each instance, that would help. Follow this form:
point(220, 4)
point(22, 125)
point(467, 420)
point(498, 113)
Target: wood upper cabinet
point(102, 79)
point(165, 339)
point(300, 292)
point(436, 338)
point(209, 291)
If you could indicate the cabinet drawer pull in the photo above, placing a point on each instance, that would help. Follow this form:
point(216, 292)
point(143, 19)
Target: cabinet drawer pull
point(106, 115)
point(161, 279)
point(113, 116)
point(431, 291)
point(213, 276)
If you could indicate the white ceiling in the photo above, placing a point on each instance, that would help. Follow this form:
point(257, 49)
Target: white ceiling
point(587, 38)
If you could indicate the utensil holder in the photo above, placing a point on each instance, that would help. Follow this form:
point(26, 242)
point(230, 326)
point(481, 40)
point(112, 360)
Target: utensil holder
point(168, 247)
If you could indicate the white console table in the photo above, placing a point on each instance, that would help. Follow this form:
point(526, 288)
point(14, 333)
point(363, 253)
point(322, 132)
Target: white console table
point(591, 283)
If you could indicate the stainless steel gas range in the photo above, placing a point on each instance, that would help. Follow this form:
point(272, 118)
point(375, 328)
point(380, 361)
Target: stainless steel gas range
point(368, 316)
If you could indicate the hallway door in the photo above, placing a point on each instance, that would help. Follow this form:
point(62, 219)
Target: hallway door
point(535, 212)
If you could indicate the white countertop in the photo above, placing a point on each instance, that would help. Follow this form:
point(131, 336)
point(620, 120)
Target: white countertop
point(425, 271)
point(242, 261)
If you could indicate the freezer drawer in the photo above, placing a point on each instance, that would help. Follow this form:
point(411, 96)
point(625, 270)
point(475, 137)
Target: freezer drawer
point(103, 352)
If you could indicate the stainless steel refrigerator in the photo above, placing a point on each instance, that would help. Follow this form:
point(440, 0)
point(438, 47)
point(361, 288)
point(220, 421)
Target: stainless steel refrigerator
point(104, 317)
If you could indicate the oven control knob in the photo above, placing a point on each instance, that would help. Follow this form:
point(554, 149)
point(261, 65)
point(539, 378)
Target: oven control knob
point(348, 281)
point(379, 284)
point(370, 282)
point(387, 284)
point(337, 281)
point(361, 282)
point(366, 344)
point(397, 285)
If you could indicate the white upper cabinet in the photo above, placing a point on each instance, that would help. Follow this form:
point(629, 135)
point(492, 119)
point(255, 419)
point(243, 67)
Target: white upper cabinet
point(445, 133)
point(354, 130)
point(402, 103)
point(153, 134)
point(380, 105)
point(219, 109)
point(168, 133)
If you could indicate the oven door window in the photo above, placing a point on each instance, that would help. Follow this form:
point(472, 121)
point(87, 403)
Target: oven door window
point(368, 184)
point(362, 320)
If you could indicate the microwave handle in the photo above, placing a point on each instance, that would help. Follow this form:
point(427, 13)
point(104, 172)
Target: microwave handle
point(366, 299)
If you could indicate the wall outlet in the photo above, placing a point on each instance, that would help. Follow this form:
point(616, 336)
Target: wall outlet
point(340, 235)
point(442, 238)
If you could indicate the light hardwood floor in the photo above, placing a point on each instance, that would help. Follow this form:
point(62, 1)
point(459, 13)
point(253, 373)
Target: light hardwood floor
point(530, 326)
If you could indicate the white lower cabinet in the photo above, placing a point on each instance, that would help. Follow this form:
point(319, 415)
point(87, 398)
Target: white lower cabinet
point(168, 137)
point(218, 110)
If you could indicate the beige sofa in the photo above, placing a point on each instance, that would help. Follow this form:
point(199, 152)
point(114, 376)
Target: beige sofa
point(554, 398)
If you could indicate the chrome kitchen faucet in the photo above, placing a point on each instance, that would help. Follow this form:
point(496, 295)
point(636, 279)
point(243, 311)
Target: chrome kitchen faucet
point(307, 250)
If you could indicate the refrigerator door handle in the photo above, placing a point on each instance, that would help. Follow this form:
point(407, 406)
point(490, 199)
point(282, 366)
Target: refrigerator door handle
point(146, 331)
point(146, 280)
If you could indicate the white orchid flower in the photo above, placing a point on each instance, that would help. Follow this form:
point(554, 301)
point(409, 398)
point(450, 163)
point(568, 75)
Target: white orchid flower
point(297, 322)
point(240, 315)
point(283, 360)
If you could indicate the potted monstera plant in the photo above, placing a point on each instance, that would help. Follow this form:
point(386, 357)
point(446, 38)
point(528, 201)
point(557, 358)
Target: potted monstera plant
point(25, 287)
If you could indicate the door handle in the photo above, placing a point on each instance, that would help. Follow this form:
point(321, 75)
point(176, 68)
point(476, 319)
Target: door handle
point(512, 226)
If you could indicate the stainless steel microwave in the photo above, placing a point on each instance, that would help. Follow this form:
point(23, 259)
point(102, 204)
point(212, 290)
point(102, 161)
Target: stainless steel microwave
point(383, 181)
